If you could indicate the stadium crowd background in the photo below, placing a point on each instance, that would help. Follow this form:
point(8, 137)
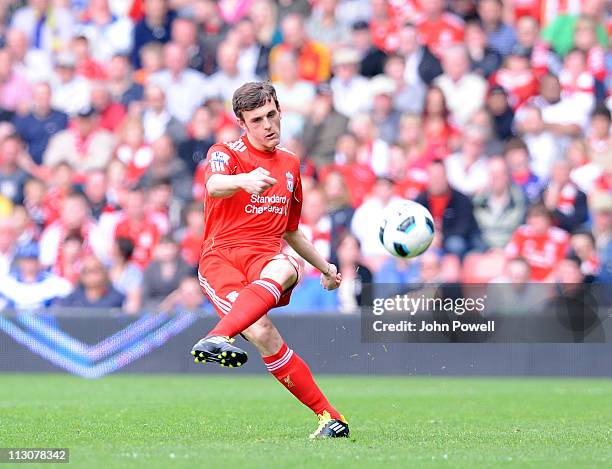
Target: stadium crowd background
point(495, 115)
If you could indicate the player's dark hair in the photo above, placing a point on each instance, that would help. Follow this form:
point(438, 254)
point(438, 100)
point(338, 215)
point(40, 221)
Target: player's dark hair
point(253, 95)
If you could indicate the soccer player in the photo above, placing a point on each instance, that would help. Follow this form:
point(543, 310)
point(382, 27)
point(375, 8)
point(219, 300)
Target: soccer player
point(253, 201)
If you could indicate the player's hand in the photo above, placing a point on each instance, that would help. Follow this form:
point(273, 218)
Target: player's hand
point(331, 279)
point(257, 181)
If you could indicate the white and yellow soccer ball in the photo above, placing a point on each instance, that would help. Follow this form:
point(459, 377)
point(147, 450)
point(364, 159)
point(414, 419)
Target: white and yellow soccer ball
point(406, 229)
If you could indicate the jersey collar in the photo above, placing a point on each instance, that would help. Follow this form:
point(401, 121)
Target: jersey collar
point(255, 151)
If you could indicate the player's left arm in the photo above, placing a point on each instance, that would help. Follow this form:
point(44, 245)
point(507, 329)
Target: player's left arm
point(330, 278)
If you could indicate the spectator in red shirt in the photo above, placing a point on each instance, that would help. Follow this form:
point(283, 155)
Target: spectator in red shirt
point(543, 60)
point(410, 181)
point(585, 39)
point(70, 258)
point(61, 184)
point(133, 151)
point(516, 77)
point(111, 113)
point(441, 135)
point(86, 66)
point(383, 26)
point(575, 78)
point(192, 235)
point(437, 29)
point(566, 203)
point(135, 225)
point(540, 243)
point(74, 216)
point(358, 177)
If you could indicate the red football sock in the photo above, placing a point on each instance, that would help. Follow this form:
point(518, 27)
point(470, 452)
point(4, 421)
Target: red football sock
point(293, 373)
point(252, 303)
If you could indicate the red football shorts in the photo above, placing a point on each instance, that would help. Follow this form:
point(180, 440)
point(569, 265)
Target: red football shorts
point(224, 272)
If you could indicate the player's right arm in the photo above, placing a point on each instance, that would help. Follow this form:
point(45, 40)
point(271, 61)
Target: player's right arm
point(222, 178)
point(225, 185)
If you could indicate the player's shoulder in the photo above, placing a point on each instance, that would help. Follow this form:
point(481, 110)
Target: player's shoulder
point(224, 150)
point(288, 154)
point(235, 146)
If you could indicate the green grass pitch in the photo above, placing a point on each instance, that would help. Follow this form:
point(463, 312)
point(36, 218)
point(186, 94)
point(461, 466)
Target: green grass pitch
point(251, 421)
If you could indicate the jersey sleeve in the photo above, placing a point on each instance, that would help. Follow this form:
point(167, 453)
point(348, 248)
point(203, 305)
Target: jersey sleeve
point(219, 160)
point(295, 209)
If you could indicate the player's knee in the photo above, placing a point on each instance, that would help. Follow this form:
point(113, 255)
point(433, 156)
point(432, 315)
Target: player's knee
point(282, 271)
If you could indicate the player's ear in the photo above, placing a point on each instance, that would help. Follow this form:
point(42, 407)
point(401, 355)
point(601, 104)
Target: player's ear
point(241, 124)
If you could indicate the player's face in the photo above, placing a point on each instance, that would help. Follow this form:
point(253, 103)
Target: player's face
point(262, 126)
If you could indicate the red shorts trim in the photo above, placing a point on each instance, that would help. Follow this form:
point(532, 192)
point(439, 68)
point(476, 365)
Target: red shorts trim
point(224, 272)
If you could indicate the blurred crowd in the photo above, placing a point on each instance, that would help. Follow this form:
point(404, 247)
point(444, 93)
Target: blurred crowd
point(493, 114)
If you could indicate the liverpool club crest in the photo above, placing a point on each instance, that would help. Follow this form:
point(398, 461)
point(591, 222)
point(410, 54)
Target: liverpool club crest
point(289, 181)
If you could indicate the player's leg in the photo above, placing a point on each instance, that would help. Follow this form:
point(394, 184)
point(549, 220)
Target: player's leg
point(293, 373)
point(220, 282)
point(258, 297)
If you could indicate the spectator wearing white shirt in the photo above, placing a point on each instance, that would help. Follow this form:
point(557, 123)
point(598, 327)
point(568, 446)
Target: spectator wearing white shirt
point(254, 56)
point(34, 64)
point(107, 34)
point(156, 120)
point(185, 88)
point(351, 90)
point(8, 239)
point(565, 117)
point(30, 288)
point(48, 27)
point(294, 94)
point(229, 77)
point(366, 222)
point(71, 93)
point(464, 91)
point(468, 170)
point(542, 145)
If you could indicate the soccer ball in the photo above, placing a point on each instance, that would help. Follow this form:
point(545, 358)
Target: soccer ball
point(406, 229)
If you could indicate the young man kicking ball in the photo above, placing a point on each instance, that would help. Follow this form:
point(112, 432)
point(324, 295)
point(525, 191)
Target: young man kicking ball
point(253, 201)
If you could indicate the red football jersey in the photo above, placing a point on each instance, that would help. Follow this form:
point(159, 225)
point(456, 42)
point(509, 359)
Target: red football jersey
point(542, 252)
point(246, 219)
